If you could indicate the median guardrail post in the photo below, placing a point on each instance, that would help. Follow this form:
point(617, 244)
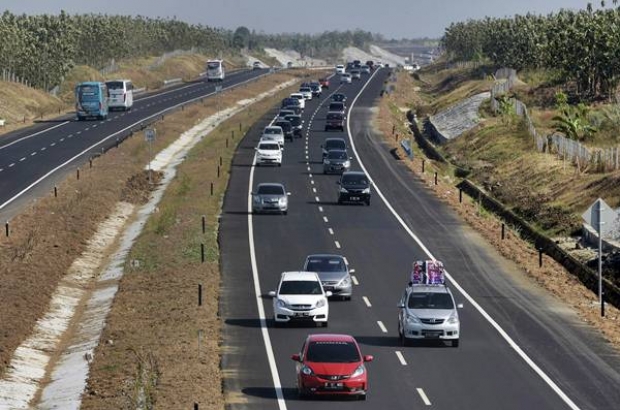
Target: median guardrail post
point(202, 252)
point(211, 188)
point(199, 295)
point(7, 229)
point(204, 224)
point(78, 173)
point(503, 230)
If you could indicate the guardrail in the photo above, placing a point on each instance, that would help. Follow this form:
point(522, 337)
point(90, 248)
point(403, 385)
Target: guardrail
point(138, 91)
point(172, 81)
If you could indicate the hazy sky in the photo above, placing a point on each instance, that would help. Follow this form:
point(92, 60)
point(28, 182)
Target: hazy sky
point(392, 18)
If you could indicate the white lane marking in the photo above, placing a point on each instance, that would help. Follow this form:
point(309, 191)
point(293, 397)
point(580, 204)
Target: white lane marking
point(325, 219)
point(22, 159)
point(259, 302)
point(34, 135)
point(471, 300)
point(70, 136)
point(312, 181)
point(366, 301)
point(11, 165)
point(310, 175)
point(62, 139)
point(32, 154)
point(52, 144)
point(331, 231)
point(337, 244)
point(423, 396)
point(381, 326)
point(354, 280)
point(346, 261)
point(101, 141)
point(401, 358)
point(87, 129)
point(314, 190)
point(1, 169)
point(307, 157)
point(308, 168)
point(43, 149)
point(316, 198)
point(95, 125)
point(320, 209)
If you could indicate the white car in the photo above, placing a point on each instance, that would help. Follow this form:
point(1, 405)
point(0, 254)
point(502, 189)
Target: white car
point(339, 69)
point(345, 78)
point(300, 297)
point(306, 92)
point(274, 133)
point(268, 152)
point(301, 98)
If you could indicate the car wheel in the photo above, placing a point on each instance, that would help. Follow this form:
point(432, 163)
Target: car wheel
point(362, 397)
point(280, 164)
point(339, 201)
point(368, 202)
point(284, 212)
point(455, 343)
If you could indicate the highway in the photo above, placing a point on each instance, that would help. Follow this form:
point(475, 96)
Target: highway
point(33, 159)
point(519, 347)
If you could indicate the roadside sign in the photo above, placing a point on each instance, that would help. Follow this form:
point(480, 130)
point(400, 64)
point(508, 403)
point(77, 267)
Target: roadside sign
point(149, 135)
point(218, 88)
point(601, 217)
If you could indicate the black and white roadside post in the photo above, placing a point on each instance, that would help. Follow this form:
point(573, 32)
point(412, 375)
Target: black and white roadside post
point(597, 215)
point(149, 136)
point(218, 90)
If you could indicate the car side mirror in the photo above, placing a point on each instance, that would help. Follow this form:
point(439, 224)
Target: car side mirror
point(288, 194)
point(351, 270)
point(272, 293)
point(328, 294)
point(256, 149)
point(296, 357)
point(400, 305)
point(369, 358)
point(351, 158)
point(460, 306)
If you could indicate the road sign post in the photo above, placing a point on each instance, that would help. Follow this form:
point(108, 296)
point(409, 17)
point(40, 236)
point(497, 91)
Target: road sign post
point(149, 136)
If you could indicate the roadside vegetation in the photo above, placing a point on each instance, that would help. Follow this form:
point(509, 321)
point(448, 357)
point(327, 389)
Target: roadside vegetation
point(501, 157)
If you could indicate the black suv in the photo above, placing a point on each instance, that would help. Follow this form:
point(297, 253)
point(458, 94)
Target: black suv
point(297, 123)
point(334, 121)
point(286, 127)
point(354, 186)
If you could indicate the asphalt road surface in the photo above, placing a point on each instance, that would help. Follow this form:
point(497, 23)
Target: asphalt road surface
point(519, 348)
point(33, 159)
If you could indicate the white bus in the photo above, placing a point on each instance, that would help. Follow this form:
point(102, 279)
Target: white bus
point(120, 94)
point(215, 70)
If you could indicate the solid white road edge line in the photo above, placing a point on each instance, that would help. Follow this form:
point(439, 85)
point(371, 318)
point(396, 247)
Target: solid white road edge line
point(471, 300)
point(423, 396)
point(259, 303)
point(401, 358)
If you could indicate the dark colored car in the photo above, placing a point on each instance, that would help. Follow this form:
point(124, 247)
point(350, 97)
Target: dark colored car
point(333, 143)
point(334, 121)
point(354, 186)
point(286, 127)
point(331, 364)
point(297, 123)
point(336, 162)
point(338, 97)
point(290, 102)
point(337, 106)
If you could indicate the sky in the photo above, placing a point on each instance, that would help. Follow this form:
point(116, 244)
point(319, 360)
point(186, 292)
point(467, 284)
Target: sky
point(392, 18)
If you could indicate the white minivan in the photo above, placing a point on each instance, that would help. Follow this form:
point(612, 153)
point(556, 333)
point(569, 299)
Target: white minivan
point(120, 94)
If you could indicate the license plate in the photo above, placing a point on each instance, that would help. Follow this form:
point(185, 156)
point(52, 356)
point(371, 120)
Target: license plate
point(354, 198)
point(333, 385)
point(326, 288)
point(301, 314)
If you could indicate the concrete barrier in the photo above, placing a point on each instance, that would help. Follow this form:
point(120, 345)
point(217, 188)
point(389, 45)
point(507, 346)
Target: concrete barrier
point(172, 81)
point(138, 91)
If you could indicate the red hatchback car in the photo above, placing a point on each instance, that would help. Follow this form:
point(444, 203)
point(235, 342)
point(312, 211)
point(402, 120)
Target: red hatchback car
point(331, 364)
point(324, 82)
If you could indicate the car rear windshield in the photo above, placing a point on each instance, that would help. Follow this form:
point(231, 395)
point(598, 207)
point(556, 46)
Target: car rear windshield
point(332, 352)
point(285, 125)
point(430, 300)
point(270, 190)
point(115, 85)
point(325, 265)
point(293, 119)
point(333, 116)
point(272, 131)
point(336, 106)
point(268, 146)
point(305, 89)
point(335, 144)
point(355, 179)
point(300, 287)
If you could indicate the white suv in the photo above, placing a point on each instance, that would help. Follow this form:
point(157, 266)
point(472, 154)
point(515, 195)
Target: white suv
point(301, 98)
point(269, 152)
point(339, 69)
point(300, 297)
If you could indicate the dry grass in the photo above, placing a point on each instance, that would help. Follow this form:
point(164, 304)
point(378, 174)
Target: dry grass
point(502, 149)
point(148, 323)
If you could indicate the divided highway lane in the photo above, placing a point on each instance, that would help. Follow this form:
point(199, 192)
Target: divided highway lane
point(483, 373)
point(45, 150)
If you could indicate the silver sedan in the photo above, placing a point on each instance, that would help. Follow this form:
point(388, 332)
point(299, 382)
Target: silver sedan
point(270, 197)
point(333, 272)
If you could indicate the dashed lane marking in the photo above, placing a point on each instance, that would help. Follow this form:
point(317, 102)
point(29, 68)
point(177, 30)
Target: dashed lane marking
point(320, 209)
point(354, 280)
point(316, 198)
point(401, 358)
point(337, 244)
point(366, 301)
point(331, 231)
point(423, 396)
point(325, 219)
point(11, 165)
point(22, 159)
point(382, 326)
